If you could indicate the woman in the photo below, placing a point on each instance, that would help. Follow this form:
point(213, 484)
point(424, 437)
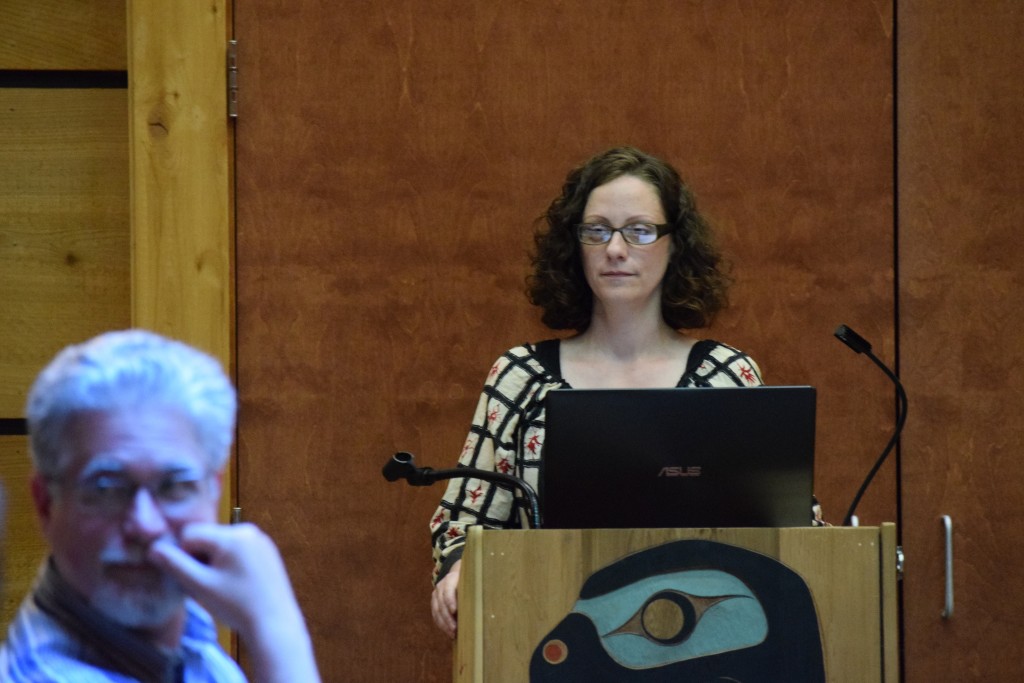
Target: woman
point(626, 261)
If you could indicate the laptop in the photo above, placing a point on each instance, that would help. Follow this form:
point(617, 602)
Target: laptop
point(684, 457)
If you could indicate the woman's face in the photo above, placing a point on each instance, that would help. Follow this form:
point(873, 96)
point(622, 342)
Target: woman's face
point(618, 271)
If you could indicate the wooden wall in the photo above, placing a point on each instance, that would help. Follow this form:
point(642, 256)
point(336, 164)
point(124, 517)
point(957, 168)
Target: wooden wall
point(64, 235)
point(391, 161)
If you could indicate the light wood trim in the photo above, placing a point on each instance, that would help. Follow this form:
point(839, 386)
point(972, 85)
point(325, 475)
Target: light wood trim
point(181, 197)
point(890, 606)
point(179, 141)
point(470, 595)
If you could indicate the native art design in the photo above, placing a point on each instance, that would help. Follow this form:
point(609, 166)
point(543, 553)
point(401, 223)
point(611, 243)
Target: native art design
point(687, 611)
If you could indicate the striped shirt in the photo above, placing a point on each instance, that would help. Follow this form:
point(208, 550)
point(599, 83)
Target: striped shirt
point(40, 649)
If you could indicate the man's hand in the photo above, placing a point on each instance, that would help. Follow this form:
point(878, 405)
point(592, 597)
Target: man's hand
point(240, 578)
point(444, 601)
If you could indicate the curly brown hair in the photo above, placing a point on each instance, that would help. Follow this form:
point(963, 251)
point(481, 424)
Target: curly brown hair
point(696, 282)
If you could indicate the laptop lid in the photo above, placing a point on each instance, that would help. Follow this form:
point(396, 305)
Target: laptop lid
point(683, 457)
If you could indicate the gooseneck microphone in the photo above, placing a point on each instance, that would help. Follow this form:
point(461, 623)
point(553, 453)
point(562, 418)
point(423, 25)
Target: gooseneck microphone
point(401, 466)
point(861, 345)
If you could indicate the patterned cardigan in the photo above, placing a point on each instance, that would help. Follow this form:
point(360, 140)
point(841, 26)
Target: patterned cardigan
point(507, 434)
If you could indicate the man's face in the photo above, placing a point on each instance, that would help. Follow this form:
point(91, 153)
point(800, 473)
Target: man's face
point(130, 477)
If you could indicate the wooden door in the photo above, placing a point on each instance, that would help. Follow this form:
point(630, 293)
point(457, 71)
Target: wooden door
point(961, 191)
point(391, 160)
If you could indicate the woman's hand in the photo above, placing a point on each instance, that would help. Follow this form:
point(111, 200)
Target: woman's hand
point(444, 601)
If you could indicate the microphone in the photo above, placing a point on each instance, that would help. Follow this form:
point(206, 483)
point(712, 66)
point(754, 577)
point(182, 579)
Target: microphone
point(861, 345)
point(402, 466)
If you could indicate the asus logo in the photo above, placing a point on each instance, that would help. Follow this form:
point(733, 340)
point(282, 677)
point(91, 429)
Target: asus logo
point(679, 471)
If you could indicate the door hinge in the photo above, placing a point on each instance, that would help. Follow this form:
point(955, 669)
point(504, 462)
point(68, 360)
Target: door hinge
point(232, 79)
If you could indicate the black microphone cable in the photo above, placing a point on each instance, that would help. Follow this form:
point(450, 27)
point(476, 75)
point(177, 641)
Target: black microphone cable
point(402, 466)
point(861, 345)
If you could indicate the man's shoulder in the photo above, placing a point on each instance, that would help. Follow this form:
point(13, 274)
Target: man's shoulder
point(38, 650)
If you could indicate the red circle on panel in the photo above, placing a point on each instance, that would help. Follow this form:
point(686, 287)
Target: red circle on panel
point(555, 651)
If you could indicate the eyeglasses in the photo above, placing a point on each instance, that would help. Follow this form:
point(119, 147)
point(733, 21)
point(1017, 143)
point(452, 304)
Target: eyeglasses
point(111, 494)
point(634, 233)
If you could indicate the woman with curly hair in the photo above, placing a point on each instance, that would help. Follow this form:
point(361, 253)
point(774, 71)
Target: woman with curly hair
point(624, 258)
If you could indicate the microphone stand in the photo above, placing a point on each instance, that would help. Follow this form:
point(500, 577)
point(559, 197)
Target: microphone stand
point(401, 466)
point(861, 345)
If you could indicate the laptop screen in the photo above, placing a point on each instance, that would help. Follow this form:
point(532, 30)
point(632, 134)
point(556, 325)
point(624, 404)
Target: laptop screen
point(684, 457)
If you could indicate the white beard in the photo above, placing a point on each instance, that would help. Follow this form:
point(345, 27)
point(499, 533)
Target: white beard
point(139, 606)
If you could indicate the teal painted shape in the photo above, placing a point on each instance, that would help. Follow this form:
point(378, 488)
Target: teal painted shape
point(735, 622)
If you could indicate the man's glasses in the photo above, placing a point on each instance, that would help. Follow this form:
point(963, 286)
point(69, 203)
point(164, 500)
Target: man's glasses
point(112, 494)
point(634, 233)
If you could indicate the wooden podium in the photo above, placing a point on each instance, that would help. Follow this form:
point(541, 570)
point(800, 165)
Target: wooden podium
point(516, 586)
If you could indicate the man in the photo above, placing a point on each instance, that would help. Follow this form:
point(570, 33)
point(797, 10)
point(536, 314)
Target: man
point(130, 434)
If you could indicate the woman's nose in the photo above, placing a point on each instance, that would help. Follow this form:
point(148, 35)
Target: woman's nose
point(617, 245)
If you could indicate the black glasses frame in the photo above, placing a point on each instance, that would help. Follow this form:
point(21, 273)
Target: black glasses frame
point(660, 229)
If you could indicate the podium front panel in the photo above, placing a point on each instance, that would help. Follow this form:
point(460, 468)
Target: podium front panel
point(521, 588)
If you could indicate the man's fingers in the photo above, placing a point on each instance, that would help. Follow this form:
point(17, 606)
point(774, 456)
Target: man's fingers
point(185, 569)
point(204, 539)
point(167, 555)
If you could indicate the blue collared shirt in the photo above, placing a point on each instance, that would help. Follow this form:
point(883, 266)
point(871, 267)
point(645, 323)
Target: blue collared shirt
point(40, 650)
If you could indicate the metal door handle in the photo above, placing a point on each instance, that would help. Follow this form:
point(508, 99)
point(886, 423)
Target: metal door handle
point(947, 524)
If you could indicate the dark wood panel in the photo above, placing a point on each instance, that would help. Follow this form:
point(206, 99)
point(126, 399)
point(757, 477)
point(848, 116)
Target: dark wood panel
point(391, 161)
point(961, 105)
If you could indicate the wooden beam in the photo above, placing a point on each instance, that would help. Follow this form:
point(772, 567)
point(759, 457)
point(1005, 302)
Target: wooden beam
point(181, 198)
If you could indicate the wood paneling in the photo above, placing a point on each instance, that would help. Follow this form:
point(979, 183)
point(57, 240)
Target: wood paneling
point(57, 34)
point(391, 161)
point(63, 226)
point(63, 262)
point(23, 545)
point(961, 192)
